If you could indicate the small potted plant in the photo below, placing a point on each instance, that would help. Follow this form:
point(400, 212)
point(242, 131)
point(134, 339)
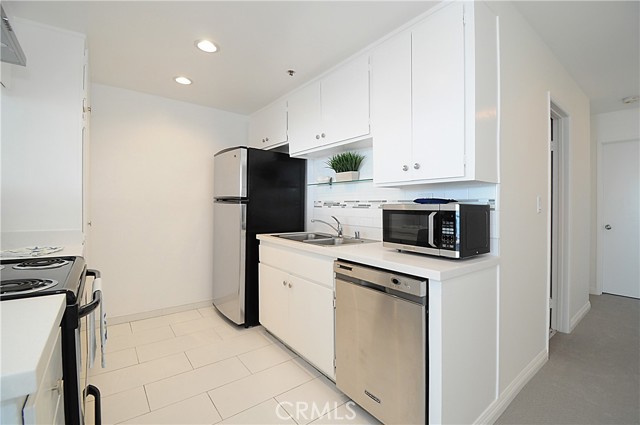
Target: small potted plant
point(346, 165)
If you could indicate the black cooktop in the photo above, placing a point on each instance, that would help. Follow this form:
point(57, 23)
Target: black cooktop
point(33, 277)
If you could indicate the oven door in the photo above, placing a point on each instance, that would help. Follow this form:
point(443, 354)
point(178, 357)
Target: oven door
point(91, 300)
point(411, 227)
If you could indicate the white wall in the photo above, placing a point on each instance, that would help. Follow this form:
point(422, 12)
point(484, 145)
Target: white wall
point(151, 197)
point(605, 128)
point(42, 134)
point(529, 71)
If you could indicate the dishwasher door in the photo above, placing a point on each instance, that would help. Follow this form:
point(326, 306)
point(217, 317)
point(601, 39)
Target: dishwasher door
point(381, 343)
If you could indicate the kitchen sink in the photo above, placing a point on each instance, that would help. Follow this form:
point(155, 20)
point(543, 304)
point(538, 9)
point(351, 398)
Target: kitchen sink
point(306, 236)
point(334, 241)
point(323, 239)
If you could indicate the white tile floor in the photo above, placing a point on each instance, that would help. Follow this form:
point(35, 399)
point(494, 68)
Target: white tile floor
point(194, 367)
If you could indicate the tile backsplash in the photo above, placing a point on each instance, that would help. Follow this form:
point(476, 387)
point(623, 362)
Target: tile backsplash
point(358, 204)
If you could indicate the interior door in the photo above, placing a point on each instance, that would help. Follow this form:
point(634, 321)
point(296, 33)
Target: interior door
point(621, 218)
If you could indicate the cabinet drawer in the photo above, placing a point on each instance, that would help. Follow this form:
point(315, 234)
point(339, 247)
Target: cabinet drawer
point(45, 406)
point(316, 268)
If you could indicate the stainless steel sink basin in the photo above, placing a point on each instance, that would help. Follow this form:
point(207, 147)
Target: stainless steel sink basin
point(322, 239)
point(305, 236)
point(338, 241)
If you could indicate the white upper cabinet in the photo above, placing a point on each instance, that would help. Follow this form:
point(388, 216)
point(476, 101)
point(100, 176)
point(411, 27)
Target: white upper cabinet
point(434, 91)
point(268, 126)
point(391, 108)
point(332, 110)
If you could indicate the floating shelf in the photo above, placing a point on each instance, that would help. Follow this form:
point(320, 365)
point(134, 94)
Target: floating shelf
point(331, 182)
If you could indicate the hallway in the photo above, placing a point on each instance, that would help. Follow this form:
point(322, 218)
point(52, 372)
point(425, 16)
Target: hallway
point(593, 374)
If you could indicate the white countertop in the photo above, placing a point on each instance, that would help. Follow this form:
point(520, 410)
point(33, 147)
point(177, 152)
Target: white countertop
point(28, 327)
point(374, 254)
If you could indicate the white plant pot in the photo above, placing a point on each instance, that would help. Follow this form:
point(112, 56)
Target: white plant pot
point(347, 176)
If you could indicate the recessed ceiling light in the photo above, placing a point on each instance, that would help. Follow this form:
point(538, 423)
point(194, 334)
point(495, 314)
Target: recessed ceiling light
point(183, 80)
point(631, 99)
point(206, 46)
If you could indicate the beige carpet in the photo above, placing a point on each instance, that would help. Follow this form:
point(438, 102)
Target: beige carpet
point(593, 374)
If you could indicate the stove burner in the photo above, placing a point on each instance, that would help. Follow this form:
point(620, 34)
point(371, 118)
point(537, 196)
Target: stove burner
point(25, 286)
point(41, 263)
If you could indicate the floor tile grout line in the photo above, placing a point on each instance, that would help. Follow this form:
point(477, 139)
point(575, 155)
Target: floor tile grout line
point(214, 406)
point(150, 382)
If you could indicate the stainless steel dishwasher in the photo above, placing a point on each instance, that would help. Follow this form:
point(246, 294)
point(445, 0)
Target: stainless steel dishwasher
point(381, 342)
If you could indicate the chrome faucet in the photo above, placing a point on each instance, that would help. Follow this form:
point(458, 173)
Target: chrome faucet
point(337, 229)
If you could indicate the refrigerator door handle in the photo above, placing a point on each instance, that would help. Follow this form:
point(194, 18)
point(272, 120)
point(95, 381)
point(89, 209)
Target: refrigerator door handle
point(243, 219)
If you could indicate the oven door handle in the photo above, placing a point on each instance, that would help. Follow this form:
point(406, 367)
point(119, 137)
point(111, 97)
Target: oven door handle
point(97, 294)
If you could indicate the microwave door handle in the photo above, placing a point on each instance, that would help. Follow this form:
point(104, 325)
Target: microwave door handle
point(431, 225)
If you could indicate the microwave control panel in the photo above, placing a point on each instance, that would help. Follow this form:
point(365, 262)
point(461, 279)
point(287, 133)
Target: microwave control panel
point(448, 230)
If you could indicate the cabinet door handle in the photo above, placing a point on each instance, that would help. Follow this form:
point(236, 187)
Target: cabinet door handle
point(284, 283)
point(405, 168)
point(266, 140)
point(59, 387)
point(416, 166)
point(322, 135)
point(289, 284)
point(317, 136)
point(262, 140)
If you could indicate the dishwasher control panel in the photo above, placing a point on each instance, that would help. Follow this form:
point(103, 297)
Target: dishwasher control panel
point(400, 282)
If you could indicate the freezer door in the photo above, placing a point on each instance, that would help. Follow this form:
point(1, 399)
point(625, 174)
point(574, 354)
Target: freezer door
point(230, 173)
point(229, 248)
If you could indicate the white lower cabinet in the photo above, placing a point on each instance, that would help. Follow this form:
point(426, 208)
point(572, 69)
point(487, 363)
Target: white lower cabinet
point(46, 405)
point(298, 307)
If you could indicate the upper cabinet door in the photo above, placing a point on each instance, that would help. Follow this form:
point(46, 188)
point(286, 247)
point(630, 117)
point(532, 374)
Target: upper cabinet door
point(268, 126)
point(391, 109)
point(305, 116)
point(332, 110)
point(345, 102)
point(438, 69)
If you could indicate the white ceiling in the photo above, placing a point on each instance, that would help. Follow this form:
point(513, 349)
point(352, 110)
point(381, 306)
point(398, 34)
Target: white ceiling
point(598, 42)
point(143, 45)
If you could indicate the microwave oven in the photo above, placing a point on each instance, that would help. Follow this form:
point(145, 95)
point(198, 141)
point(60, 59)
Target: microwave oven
point(454, 230)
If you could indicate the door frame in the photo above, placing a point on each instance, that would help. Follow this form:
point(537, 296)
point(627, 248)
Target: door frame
point(560, 297)
point(600, 213)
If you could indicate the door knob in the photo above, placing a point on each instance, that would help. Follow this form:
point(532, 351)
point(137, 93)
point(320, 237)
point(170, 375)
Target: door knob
point(607, 226)
point(405, 168)
point(416, 166)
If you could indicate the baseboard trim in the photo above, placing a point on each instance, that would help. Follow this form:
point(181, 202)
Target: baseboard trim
point(579, 316)
point(497, 408)
point(156, 313)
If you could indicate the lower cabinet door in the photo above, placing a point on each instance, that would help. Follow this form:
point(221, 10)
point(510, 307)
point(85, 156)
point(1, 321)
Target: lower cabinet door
point(311, 323)
point(45, 406)
point(274, 301)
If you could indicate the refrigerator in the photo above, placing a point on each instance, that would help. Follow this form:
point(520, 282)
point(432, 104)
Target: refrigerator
point(255, 191)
